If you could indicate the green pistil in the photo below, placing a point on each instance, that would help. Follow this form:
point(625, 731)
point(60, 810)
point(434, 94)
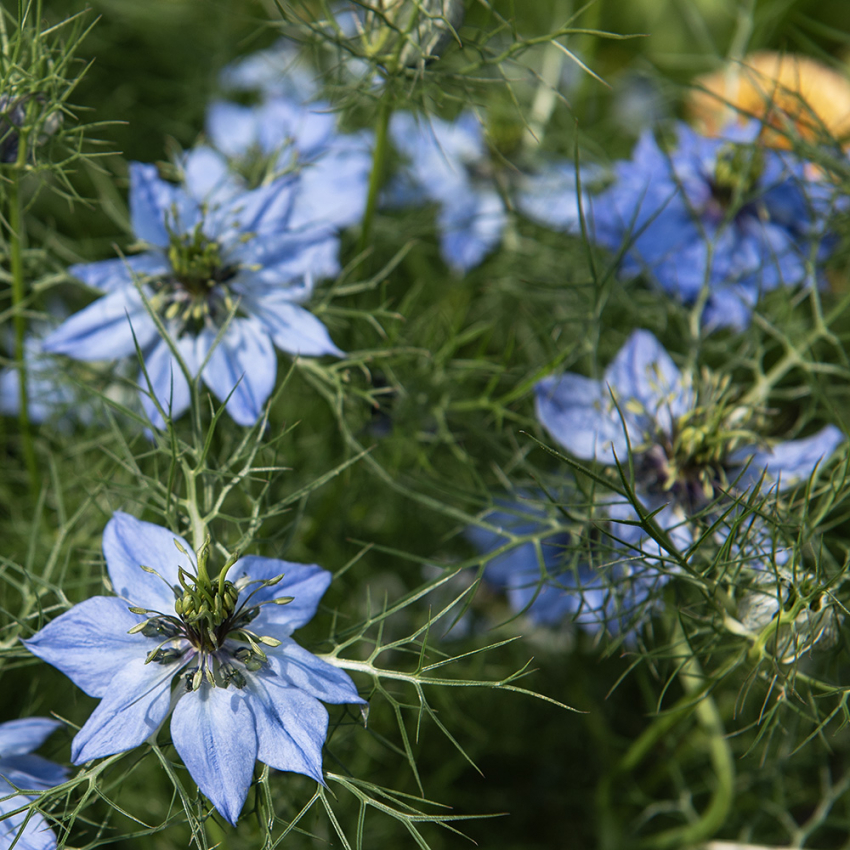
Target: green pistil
point(206, 613)
point(738, 169)
point(196, 262)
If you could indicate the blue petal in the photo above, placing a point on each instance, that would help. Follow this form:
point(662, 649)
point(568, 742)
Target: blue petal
point(579, 413)
point(282, 122)
point(18, 737)
point(233, 128)
point(36, 835)
point(643, 372)
point(332, 189)
point(291, 726)
point(245, 359)
point(277, 71)
point(207, 177)
point(112, 275)
point(471, 226)
point(32, 773)
point(151, 199)
point(167, 380)
point(294, 258)
point(104, 330)
point(791, 462)
point(306, 583)
point(261, 212)
point(551, 196)
point(215, 733)
point(137, 701)
point(296, 666)
point(292, 328)
point(89, 643)
point(128, 543)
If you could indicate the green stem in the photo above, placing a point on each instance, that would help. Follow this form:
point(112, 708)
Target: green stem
point(376, 177)
point(695, 700)
point(16, 239)
point(199, 527)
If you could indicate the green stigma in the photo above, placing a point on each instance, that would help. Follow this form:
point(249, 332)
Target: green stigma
point(196, 261)
point(738, 169)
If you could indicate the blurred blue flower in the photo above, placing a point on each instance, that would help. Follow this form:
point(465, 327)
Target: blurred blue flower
point(281, 136)
point(245, 689)
point(48, 390)
point(226, 272)
point(547, 585)
point(447, 164)
point(278, 71)
point(685, 450)
point(551, 195)
point(718, 214)
point(19, 769)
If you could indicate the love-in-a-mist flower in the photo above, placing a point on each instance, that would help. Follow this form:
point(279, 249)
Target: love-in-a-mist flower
point(22, 772)
point(543, 579)
point(282, 135)
point(447, 164)
point(215, 653)
point(689, 443)
point(222, 262)
point(720, 216)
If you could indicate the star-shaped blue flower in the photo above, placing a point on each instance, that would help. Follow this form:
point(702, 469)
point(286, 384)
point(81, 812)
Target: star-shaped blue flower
point(282, 135)
point(221, 261)
point(684, 457)
point(217, 654)
point(20, 769)
point(559, 593)
point(447, 164)
point(722, 214)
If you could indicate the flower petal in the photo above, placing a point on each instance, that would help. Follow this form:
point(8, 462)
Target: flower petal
point(36, 835)
point(296, 666)
point(137, 700)
point(245, 359)
point(104, 330)
point(291, 726)
point(25, 735)
point(471, 226)
point(112, 275)
point(90, 644)
point(580, 415)
point(215, 733)
point(167, 380)
point(32, 773)
point(129, 543)
point(305, 583)
point(292, 328)
point(644, 372)
point(790, 462)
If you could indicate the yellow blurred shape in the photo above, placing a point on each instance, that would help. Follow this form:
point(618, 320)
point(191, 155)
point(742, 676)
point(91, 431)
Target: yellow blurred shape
point(791, 94)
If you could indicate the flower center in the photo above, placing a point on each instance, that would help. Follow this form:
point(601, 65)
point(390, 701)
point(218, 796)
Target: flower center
point(196, 290)
point(208, 620)
point(736, 173)
point(690, 462)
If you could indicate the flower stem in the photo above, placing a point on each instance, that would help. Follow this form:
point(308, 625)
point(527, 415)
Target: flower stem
point(376, 177)
point(16, 239)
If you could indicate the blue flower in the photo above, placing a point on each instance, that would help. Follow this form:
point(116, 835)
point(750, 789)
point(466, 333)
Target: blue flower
point(19, 769)
point(279, 71)
point(226, 271)
point(721, 214)
point(48, 390)
point(244, 689)
point(547, 586)
point(448, 165)
point(687, 450)
point(551, 195)
point(282, 135)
